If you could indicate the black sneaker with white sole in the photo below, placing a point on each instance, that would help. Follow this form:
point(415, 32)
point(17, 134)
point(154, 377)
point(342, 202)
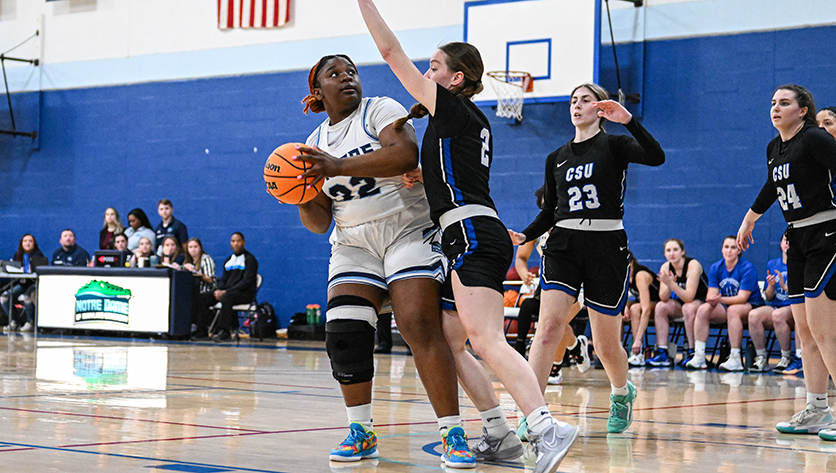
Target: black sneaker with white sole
point(581, 354)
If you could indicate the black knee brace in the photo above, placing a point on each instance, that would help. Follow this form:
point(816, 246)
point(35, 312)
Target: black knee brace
point(350, 341)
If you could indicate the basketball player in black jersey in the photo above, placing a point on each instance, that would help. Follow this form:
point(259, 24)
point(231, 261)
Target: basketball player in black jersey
point(588, 245)
point(455, 158)
point(802, 166)
point(644, 286)
point(682, 290)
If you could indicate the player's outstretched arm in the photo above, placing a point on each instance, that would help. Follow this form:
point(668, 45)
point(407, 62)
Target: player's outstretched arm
point(420, 87)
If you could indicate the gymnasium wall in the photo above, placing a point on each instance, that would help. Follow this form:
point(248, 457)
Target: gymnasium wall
point(202, 143)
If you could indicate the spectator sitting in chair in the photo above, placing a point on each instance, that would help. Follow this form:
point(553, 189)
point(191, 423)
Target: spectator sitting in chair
point(70, 254)
point(171, 255)
point(120, 243)
point(776, 314)
point(732, 293)
point(237, 285)
point(30, 257)
point(144, 256)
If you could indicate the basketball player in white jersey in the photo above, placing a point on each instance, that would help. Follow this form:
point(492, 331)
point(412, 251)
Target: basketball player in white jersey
point(380, 249)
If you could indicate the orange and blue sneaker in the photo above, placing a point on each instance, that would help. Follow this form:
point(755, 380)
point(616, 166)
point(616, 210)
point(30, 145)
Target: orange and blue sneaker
point(359, 444)
point(456, 452)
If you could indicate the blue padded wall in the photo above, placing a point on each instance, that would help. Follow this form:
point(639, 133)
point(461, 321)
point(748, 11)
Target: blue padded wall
point(202, 144)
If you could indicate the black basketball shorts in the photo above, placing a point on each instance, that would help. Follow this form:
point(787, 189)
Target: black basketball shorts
point(597, 261)
point(810, 261)
point(480, 251)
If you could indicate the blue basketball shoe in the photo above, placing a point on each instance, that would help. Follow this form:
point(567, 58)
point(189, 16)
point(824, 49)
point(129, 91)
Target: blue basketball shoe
point(359, 444)
point(456, 452)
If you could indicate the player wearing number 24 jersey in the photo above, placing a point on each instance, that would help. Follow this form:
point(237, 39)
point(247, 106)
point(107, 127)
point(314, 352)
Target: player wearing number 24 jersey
point(803, 186)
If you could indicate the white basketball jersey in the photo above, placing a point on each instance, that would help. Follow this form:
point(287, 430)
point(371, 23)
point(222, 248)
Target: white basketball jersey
point(358, 200)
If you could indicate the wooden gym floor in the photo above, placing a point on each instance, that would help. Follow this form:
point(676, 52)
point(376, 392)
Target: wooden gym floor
point(80, 404)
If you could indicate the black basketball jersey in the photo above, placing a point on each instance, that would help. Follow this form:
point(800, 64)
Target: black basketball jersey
point(801, 175)
point(654, 284)
point(587, 180)
point(456, 155)
point(682, 280)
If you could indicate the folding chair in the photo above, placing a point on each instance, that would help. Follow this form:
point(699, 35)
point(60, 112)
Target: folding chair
point(511, 313)
point(249, 308)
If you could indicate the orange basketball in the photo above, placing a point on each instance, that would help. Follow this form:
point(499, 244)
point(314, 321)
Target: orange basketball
point(281, 172)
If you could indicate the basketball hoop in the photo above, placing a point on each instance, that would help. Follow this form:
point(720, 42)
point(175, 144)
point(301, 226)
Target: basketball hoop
point(510, 87)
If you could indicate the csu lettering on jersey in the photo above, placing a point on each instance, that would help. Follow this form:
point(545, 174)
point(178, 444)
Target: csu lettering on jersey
point(780, 172)
point(365, 149)
point(583, 171)
point(787, 197)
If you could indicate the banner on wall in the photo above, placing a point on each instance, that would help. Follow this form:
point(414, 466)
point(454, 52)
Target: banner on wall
point(253, 13)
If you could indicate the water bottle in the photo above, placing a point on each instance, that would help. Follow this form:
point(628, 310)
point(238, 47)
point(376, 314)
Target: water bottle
point(310, 314)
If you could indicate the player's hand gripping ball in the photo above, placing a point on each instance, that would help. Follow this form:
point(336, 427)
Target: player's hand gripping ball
point(281, 175)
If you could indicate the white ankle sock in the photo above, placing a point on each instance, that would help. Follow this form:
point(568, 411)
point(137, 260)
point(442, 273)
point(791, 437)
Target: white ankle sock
point(361, 414)
point(734, 353)
point(761, 352)
point(699, 348)
point(495, 421)
point(819, 401)
point(623, 391)
point(786, 353)
point(448, 422)
point(539, 419)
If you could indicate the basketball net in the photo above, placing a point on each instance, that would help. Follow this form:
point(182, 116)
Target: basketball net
point(509, 87)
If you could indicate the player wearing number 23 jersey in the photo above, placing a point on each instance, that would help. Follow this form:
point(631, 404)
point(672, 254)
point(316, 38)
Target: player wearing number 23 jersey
point(587, 180)
point(584, 200)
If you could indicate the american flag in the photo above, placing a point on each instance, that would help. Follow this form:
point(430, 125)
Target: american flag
point(253, 13)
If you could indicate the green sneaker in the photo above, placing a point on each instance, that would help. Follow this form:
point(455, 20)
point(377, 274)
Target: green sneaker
point(828, 434)
point(522, 430)
point(621, 410)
